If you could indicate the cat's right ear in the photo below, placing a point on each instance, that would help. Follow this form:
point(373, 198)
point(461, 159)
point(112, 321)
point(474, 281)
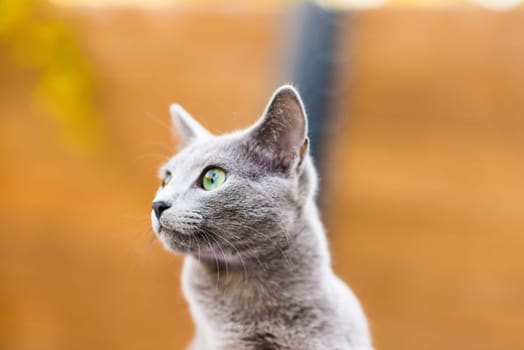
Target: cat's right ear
point(187, 128)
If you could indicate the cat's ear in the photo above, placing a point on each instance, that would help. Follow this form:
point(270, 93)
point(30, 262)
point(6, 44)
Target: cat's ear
point(279, 137)
point(187, 128)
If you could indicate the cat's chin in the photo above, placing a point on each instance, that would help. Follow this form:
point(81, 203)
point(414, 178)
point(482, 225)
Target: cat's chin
point(198, 247)
point(176, 242)
point(190, 244)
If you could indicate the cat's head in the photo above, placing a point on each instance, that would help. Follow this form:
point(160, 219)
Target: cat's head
point(236, 196)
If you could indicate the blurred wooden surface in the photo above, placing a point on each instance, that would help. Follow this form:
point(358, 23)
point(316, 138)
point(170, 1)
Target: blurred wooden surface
point(427, 217)
point(425, 210)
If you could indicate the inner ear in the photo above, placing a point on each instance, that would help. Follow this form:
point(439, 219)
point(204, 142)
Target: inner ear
point(277, 139)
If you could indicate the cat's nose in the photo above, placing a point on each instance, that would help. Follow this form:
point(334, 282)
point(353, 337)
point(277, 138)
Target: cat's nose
point(159, 207)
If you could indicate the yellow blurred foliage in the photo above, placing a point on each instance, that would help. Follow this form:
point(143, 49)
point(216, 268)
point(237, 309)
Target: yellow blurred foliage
point(64, 90)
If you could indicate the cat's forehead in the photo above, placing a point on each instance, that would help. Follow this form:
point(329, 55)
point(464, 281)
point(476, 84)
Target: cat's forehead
point(218, 150)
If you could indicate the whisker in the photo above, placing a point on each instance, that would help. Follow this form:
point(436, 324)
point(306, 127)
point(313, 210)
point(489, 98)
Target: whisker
point(213, 237)
point(215, 257)
point(238, 252)
point(160, 121)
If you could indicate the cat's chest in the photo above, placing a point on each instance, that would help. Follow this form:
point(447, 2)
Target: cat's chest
point(262, 340)
point(226, 307)
point(253, 325)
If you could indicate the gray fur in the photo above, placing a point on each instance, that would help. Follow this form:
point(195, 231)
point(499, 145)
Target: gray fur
point(257, 272)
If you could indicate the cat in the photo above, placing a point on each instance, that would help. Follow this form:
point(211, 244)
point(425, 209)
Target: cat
point(241, 208)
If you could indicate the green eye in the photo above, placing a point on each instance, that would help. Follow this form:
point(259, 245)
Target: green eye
point(213, 178)
point(167, 178)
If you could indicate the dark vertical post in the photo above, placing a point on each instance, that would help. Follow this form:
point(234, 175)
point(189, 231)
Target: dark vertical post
point(310, 63)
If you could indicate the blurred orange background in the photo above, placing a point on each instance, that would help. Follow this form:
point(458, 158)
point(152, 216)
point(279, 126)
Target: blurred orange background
point(423, 185)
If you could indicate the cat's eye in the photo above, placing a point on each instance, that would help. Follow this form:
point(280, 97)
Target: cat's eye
point(213, 178)
point(167, 178)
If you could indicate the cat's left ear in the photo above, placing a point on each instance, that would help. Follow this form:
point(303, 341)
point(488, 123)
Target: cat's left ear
point(279, 139)
point(188, 129)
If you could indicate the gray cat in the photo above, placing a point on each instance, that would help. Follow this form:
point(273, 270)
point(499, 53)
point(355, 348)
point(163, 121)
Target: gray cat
point(240, 207)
